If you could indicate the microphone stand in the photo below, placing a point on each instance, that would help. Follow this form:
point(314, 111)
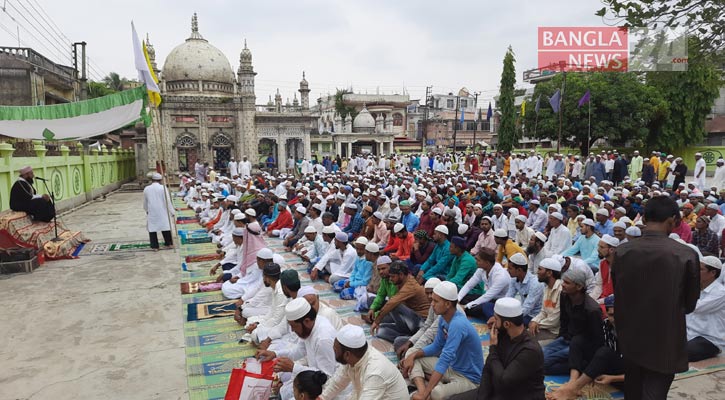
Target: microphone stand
point(55, 215)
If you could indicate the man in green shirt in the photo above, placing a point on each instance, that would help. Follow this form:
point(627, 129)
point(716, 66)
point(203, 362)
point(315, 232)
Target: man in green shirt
point(387, 289)
point(438, 263)
point(463, 265)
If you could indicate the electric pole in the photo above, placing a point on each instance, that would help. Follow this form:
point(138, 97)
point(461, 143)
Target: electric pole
point(426, 108)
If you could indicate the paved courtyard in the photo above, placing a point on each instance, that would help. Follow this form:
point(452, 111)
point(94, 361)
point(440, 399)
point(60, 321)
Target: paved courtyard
point(110, 326)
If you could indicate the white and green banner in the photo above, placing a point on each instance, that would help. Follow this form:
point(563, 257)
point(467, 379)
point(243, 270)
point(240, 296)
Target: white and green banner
point(76, 120)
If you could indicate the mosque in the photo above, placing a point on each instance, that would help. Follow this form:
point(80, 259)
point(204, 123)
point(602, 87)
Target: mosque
point(208, 113)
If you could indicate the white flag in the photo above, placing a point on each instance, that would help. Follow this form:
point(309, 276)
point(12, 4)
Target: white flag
point(144, 74)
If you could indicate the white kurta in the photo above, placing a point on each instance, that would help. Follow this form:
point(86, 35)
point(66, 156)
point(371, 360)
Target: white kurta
point(158, 207)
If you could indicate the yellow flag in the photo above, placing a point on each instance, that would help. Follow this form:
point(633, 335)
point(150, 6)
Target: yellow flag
point(154, 97)
point(523, 108)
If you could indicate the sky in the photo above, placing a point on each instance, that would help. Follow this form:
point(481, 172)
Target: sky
point(372, 46)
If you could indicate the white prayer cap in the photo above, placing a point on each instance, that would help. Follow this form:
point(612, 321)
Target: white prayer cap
point(384, 260)
point(442, 229)
point(28, 168)
point(541, 236)
point(310, 229)
point(534, 202)
point(297, 308)
point(619, 224)
point(497, 206)
point(232, 198)
point(712, 261)
point(437, 211)
point(610, 240)
point(603, 212)
point(398, 227)
point(250, 212)
point(432, 283)
point(514, 211)
point(351, 336)
point(351, 206)
point(508, 307)
point(302, 210)
point(462, 229)
point(306, 290)
point(318, 207)
point(633, 231)
point(341, 236)
point(238, 232)
point(265, 254)
point(361, 240)
point(557, 215)
point(341, 196)
point(713, 206)
point(590, 222)
point(521, 218)
point(518, 259)
point(279, 260)
point(378, 215)
point(621, 209)
point(154, 177)
point(447, 291)
point(500, 233)
point(328, 229)
point(372, 247)
point(550, 263)
point(239, 217)
point(580, 198)
point(236, 211)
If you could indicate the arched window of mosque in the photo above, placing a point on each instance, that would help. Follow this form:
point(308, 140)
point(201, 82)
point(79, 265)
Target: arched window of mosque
point(186, 140)
point(397, 119)
point(221, 140)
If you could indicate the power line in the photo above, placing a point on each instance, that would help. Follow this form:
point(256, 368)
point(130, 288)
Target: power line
point(51, 35)
point(40, 43)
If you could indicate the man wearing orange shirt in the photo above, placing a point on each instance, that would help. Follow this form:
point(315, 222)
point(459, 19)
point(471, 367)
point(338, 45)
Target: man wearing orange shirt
point(405, 243)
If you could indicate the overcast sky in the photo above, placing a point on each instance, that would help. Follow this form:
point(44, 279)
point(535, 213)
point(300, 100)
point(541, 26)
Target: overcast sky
point(371, 45)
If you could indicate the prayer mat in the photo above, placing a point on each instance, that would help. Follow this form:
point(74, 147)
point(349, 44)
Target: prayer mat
point(204, 286)
point(187, 221)
point(200, 311)
point(202, 257)
point(103, 248)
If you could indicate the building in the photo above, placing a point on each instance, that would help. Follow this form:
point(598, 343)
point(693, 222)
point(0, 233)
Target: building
point(444, 122)
point(209, 114)
point(27, 78)
point(380, 122)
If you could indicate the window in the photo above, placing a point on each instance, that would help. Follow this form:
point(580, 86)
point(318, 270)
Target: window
point(325, 148)
point(397, 119)
point(485, 126)
point(449, 104)
point(470, 125)
point(464, 103)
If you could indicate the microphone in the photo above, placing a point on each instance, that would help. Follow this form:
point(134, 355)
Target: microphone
point(41, 179)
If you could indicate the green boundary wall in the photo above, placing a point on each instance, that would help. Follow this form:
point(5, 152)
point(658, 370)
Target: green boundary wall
point(74, 179)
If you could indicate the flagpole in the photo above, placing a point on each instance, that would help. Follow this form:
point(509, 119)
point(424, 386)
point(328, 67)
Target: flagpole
point(561, 111)
point(589, 127)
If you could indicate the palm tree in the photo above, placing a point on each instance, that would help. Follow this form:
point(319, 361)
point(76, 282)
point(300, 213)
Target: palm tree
point(114, 82)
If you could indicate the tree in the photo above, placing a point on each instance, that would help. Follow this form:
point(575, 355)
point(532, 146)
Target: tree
point(507, 135)
point(701, 18)
point(115, 82)
point(623, 108)
point(97, 89)
point(690, 96)
point(340, 107)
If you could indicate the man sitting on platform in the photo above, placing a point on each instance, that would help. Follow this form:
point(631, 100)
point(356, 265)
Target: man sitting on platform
point(23, 197)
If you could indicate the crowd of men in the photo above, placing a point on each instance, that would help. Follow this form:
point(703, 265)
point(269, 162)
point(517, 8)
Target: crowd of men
point(606, 271)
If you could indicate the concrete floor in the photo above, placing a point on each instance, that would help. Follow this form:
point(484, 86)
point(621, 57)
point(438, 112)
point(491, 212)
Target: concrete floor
point(101, 326)
point(110, 326)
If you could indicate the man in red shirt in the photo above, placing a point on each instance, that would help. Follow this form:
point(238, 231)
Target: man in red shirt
point(603, 280)
point(405, 243)
point(283, 220)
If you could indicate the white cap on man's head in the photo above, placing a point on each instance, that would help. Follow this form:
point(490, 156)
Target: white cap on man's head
point(500, 233)
point(351, 336)
point(297, 309)
point(447, 291)
point(507, 307)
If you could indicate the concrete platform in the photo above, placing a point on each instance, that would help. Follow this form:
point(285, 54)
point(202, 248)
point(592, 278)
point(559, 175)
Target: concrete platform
point(110, 326)
point(98, 327)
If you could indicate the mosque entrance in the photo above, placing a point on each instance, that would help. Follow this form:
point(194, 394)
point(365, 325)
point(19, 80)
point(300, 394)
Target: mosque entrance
point(365, 148)
point(186, 146)
point(295, 148)
point(221, 149)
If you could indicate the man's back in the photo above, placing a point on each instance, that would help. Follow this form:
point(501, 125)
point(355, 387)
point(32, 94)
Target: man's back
point(656, 282)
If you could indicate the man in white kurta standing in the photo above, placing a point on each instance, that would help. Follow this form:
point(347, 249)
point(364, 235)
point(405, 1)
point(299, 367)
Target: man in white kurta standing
point(700, 167)
point(157, 204)
point(245, 168)
point(233, 168)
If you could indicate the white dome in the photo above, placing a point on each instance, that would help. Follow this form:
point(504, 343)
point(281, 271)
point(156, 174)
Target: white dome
point(363, 121)
point(197, 60)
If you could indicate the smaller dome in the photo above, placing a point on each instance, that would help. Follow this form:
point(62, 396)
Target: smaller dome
point(246, 55)
point(303, 82)
point(364, 120)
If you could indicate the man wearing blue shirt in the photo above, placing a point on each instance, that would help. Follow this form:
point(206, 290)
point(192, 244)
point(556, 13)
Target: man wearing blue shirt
point(454, 360)
point(604, 225)
point(528, 287)
point(407, 218)
point(439, 262)
point(586, 246)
